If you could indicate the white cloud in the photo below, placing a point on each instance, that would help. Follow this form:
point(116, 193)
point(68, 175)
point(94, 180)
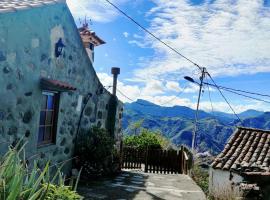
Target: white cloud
point(96, 10)
point(228, 37)
point(126, 34)
point(173, 86)
point(153, 92)
point(153, 87)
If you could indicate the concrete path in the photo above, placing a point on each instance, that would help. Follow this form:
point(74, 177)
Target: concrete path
point(144, 186)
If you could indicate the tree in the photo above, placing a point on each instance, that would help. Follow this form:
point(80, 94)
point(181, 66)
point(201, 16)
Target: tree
point(147, 139)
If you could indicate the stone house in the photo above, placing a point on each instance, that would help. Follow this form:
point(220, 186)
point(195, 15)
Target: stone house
point(243, 165)
point(46, 77)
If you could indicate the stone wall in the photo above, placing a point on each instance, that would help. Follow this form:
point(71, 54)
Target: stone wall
point(27, 44)
point(224, 182)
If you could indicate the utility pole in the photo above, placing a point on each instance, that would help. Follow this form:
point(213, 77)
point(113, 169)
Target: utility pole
point(197, 110)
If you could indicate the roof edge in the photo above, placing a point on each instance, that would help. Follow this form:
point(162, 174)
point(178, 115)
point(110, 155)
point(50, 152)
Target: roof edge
point(253, 129)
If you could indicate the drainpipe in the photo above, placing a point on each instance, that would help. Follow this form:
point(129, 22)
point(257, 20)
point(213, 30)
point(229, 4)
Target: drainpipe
point(115, 73)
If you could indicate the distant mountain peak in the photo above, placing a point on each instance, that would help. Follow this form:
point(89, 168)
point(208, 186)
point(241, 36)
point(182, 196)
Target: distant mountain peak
point(145, 102)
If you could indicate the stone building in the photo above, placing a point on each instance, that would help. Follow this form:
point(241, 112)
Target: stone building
point(243, 165)
point(46, 77)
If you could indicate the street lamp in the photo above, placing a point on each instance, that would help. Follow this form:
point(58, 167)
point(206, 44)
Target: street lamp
point(198, 105)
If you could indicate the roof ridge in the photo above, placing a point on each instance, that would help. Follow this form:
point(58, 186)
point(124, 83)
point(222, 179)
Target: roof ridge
point(253, 129)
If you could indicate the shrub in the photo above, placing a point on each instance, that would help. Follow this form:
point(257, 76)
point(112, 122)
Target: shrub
point(62, 192)
point(146, 139)
point(17, 183)
point(95, 149)
point(201, 177)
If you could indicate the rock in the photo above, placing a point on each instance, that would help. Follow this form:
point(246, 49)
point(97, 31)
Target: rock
point(63, 142)
point(2, 115)
point(2, 57)
point(43, 57)
point(9, 86)
point(88, 111)
point(7, 70)
point(28, 94)
point(99, 115)
point(27, 133)
point(66, 151)
point(19, 100)
point(99, 124)
point(12, 130)
point(27, 117)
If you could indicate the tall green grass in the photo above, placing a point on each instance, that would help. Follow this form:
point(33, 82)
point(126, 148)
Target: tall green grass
point(18, 182)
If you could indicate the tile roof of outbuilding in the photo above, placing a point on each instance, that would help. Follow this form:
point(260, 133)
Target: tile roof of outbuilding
point(16, 5)
point(247, 151)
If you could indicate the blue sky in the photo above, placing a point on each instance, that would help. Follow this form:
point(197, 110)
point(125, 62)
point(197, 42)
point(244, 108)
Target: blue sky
point(229, 37)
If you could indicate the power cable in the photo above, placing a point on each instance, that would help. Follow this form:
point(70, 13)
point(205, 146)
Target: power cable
point(133, 100)
point(224, 98)
point(237, 90)
point(231, 90)
point(153, 35)
point(247, 96)
point(180, 54)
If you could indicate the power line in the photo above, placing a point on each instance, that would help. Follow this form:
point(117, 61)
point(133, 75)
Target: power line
point(224, 98)
point(247, 96)
point(234, 91)
point(153, 35)
point(237, 90)
point(164, 103)
point(177, 52)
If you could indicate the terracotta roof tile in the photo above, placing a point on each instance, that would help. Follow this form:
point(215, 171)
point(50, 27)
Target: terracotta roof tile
point(16, 5)
point(57, 85)
point(248, 150)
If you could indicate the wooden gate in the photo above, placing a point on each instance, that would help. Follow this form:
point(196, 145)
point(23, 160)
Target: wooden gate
point(157, 161)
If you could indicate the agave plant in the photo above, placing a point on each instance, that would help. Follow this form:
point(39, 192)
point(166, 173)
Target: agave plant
point(16, 183)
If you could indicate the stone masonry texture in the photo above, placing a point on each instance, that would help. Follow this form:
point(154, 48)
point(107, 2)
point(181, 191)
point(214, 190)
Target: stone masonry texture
point(27, 46)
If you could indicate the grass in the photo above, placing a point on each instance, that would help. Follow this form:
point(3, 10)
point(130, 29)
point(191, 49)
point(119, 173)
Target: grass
point(201, 177)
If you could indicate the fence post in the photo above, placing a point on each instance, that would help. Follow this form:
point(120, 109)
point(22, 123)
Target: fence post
point(182, 160)
point(146, 160)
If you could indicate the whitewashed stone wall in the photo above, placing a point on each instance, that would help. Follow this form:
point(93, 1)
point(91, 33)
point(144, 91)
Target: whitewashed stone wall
point(27, 42)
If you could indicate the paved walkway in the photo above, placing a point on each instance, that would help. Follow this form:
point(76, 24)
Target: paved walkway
point(144, 186)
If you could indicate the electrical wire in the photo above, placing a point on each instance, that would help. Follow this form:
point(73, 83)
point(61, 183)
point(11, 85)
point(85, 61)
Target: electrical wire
point(247, 96)
point(164, 103)
point(224, 98)
point(231, 90)
point(153, 35)
point(237, 90)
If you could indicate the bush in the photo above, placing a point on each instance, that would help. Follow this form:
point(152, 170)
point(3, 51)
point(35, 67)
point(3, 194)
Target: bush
point(17, 183)
point(62, 192)
point(146, 139)
point(95, 150)
point(201, 177)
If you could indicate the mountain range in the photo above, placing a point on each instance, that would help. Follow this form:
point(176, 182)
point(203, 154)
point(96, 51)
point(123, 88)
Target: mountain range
point(177, 123)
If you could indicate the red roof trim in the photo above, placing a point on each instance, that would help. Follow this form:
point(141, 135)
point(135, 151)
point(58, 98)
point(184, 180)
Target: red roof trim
point(56, 85)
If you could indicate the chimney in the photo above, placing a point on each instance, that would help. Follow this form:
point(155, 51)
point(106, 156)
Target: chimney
point(115, 73)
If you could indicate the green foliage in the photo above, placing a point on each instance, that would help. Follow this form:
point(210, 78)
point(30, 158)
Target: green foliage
point(146, 139)
point(136, 126)
point(201, 177)
point(16, 180)
point(95, 150)
point(60, 192)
